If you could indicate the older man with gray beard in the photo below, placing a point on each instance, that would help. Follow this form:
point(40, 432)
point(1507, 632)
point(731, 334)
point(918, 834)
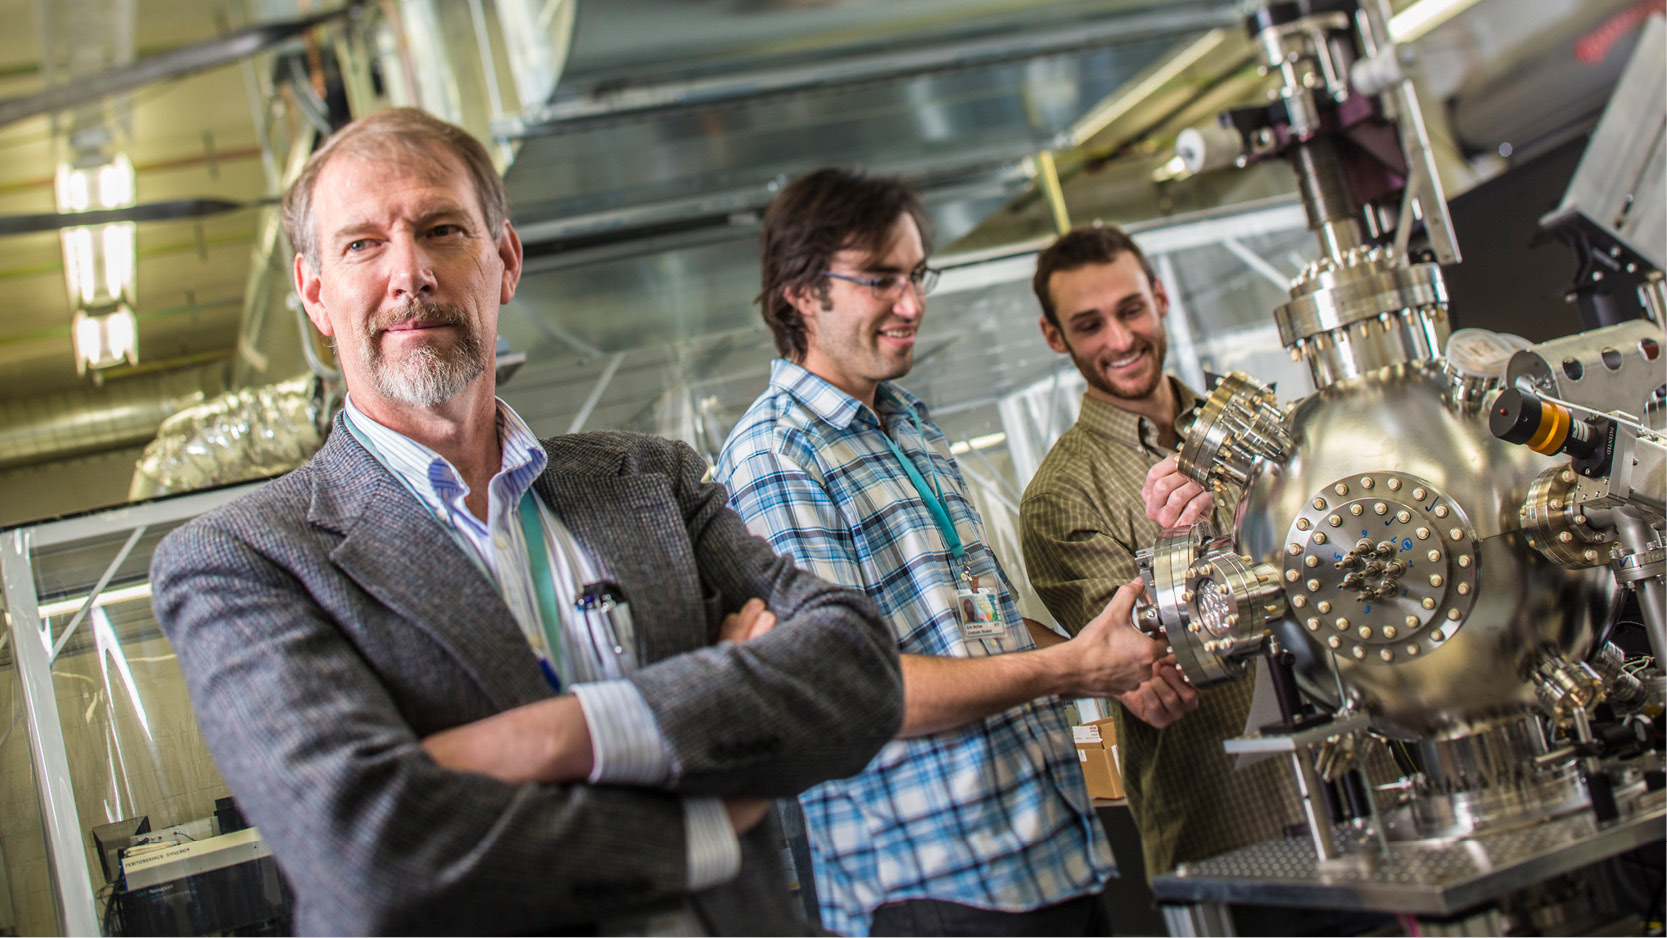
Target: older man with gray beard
point(464, 680)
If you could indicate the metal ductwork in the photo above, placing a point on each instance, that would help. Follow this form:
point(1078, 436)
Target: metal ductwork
point(245, 434)
point(122, 413)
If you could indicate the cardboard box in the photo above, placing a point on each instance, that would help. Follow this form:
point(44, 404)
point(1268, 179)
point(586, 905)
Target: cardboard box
point(1097, 751)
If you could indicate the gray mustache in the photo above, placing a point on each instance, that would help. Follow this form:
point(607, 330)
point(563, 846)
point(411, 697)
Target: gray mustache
point(443, 314)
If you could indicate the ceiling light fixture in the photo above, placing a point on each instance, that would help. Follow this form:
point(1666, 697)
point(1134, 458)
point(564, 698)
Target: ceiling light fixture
point(110, 597)
point(1421, 17)
point(100, 262)
point(106, 340)
point(978, 442)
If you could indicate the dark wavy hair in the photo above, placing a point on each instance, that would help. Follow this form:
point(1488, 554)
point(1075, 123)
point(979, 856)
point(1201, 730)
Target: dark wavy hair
point(1079, 247)
point(818, 215)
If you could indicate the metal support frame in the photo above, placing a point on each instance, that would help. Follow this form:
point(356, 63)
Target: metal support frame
point(976, 270)
point(1313, 806)
point(93, 594)
point(1256, 263)
point(1297, 744)
point(1031, 418)
point(1202, 918)
point(1421, 879)
point(998, 490)
point(1047, 176)
point(73, 882)
point(1180, 326)
point(1423, 184)
point(602, 382)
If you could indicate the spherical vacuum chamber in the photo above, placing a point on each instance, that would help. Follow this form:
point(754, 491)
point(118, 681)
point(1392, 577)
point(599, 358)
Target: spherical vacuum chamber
point(1394, 521)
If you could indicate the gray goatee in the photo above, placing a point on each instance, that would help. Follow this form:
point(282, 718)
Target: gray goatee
point(429, 374)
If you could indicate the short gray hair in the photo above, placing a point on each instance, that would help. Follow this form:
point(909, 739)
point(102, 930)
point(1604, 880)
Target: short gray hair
point(400, 134)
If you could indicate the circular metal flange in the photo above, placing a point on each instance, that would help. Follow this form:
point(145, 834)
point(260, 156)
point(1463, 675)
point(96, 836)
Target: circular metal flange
point(1233, 600)
point(1564, 687)
point(1639, 565)
point(1333, 299)
point(1171, 583)
point(1555, 528)
point(1369, 313)
point(1237, 424)
point(1490, 776)
point(1474, 364)
point(1380, 567)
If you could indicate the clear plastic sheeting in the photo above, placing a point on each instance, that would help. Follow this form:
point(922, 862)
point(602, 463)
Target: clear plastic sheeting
point(133, 743)
point(103, 706)
point(248, 434)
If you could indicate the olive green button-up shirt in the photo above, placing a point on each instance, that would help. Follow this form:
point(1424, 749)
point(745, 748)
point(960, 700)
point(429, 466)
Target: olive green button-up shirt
point(1082, 522)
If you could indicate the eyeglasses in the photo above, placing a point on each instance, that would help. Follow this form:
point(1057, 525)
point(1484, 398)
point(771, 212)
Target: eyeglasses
point(889, 287)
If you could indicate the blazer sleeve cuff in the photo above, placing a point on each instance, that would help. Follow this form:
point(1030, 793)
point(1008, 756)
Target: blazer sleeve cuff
point(626, 743)
point(714, 851)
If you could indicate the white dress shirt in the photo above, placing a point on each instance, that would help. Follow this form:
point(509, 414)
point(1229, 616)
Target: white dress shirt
point(627, 745)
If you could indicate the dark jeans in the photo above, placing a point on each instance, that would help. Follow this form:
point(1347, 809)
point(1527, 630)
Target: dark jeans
point(1080, 916)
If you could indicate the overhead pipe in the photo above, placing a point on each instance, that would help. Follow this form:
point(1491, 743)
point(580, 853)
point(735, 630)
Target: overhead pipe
point(174, 63)
point(124, 413)
point(170, 210)
point(209, 157)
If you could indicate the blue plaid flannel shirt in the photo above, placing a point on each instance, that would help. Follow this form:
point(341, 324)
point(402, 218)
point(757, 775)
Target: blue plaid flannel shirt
point(993, 814)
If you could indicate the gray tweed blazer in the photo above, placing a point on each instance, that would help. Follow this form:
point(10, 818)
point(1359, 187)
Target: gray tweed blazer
point(327, 622)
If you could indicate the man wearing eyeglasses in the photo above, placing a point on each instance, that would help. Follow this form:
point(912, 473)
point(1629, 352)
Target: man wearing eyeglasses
point(975, 820)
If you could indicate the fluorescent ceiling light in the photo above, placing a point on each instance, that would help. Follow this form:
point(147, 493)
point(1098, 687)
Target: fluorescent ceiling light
point(1123, 100)
point(100, 262)
point(1423, 16)
point(105, 341)
point(115, 183)
point(69, 607)
point(978, 442)
point(80, 260)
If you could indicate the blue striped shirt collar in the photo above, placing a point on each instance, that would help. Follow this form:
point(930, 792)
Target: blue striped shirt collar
point(435, 480)
point(828, 403)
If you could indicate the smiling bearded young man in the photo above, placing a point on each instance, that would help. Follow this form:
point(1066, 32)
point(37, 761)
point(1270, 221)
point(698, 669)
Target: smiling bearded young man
point(975, 820)
point(1085, 514)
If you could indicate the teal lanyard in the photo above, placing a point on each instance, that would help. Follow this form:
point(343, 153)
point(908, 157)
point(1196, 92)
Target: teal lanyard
point(544, 584)
point(933, 497)
point(538, 559)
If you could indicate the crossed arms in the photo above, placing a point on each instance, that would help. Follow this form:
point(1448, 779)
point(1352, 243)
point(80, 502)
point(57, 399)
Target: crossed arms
point(549, 742)
point(315, 696)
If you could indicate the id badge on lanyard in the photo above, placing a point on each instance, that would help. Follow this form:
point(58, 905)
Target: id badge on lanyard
point(977, 611)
